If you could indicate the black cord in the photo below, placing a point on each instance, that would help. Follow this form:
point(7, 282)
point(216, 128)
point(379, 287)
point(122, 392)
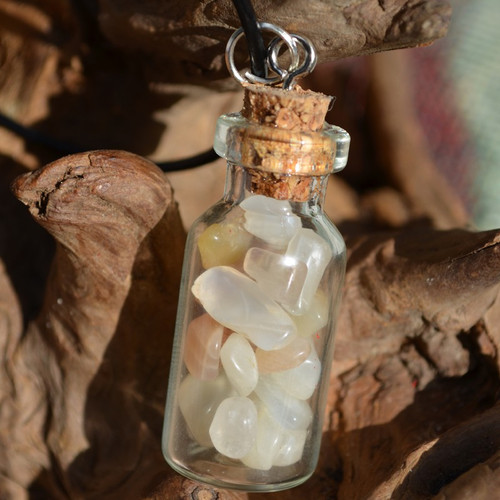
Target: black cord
point(257, 53)
point(193, 161)
point(32, 135)
point(253, 35)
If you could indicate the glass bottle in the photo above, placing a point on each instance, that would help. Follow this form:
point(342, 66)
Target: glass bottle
point(262, 280)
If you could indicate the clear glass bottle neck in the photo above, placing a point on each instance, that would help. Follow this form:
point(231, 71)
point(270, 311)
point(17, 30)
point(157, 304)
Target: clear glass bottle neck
point(242, 182)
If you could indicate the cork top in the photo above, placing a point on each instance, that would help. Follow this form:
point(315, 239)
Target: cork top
point(282, 132)
point(295, 110)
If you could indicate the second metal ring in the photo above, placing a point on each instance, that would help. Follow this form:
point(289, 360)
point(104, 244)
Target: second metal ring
point(250, 77)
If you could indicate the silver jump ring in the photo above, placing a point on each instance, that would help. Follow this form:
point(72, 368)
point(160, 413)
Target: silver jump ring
point(307, 66)
point(250, 77)
point(272, 58)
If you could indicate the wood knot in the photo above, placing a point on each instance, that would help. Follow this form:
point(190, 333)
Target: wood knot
point(202, 493)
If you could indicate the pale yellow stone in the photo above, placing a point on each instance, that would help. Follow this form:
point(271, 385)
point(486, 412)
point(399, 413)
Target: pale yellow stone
point(223, 244)
point(315, 318)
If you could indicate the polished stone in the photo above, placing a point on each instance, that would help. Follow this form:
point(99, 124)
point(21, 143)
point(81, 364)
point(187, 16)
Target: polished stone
point(240, 365)
point(286, 358)
point(301, 381)
point(223, 244)
point(288, 411)
point(268, 442)
point(315, 252)
point(281, 277)
point(315, 318)
point(234, 427)
point(270, 220)
point(291, 447)
point(201, 350)
point(237, 302)
point(198, 401)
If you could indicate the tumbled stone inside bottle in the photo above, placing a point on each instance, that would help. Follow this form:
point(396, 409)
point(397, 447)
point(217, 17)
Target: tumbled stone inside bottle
point(203, 342)
point(234, 427)
point(198, 401)
point(314, 251)
point(315, 318)
point(288, 357)
point(289, 412)
point(268, 441)
point(301, 381)
point(270, 220)
point(280, 276)
point(240, 365)
point(223, 244)
point(237, 302)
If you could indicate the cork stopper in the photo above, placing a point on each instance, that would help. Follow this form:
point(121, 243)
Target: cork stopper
point(295, 110)
point(282, 137)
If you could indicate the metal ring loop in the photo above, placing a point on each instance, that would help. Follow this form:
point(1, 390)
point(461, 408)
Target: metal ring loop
point(272, 58)
point(250, 77)
point(294, 71)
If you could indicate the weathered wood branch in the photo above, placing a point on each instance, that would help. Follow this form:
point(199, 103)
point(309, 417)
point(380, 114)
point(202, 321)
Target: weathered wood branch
point(92, 369)
point(105, 324)
point(193, 34)
point(48, 49)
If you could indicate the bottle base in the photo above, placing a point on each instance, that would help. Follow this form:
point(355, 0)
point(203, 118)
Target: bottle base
point(232, 477)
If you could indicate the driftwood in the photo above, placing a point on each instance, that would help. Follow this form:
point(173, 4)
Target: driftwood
point(193, 33)
point(416, 358)
point(88, 337)
point(413, 407)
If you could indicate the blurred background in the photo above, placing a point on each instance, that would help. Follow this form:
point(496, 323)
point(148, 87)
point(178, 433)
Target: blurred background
point(458, 98)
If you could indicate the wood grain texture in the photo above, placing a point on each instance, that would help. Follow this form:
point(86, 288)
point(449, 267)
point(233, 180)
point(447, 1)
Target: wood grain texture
point(415, 368)
point(94, 363)
point(192, 35)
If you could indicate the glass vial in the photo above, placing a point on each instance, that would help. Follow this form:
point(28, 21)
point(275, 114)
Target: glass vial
point(261, 285)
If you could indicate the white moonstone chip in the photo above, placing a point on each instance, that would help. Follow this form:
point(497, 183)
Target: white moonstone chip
point(301, 381)
point(291, 448)
point(271, 220)
point(289, 412)
point(274, 445)
point(238, 303)
point(268, 442)
point(240, 365)
point(198, 401)
point(314, 251)
point(280, 276)
point(234, 427)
